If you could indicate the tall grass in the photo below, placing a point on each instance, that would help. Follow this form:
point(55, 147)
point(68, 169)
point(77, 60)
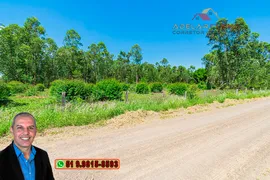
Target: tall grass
point(49, 113)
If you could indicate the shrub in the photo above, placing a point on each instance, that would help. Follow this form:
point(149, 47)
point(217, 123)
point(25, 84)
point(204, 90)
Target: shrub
point(125, 86)
point(4, 91)
point(142, 88)
point(17, 87)
point(40, 87)
point(221, 98)
point(192, 92)
point(132, 87)
point(156, 87)
point(109, 89)
point(165, 85)
point(202, 85)
point(178, 88)
point(57, 87)
point(89, 88)
point(32, 91)
point(75, 90)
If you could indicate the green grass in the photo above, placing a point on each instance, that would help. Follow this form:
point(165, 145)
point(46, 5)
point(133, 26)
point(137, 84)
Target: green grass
point(49, 113)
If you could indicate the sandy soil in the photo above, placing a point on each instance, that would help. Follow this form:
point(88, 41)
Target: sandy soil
point(216, 141)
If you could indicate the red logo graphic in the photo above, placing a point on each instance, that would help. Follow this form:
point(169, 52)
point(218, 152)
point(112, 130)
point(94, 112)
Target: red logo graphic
point(205, 15)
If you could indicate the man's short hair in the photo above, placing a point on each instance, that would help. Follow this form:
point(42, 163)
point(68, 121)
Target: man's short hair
point(23, 114)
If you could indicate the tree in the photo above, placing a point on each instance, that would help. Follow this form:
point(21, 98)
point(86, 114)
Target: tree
point(101, 61)
point(22, 51)
point(49, 66)
point(149, 73)
point(121, 67)
point(72, 39)
point(164, 62)
point(136, 55)
point(73, 55)
point(237, 59)
point(33, 39)
point(200, 75)
point(212, 73)
point(9, 52)
point(229, 41)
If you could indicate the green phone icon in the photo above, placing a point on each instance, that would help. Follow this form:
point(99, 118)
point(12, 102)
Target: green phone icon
point(60, 164)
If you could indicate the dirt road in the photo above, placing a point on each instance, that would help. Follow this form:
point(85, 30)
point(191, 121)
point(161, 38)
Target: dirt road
point(228, 143)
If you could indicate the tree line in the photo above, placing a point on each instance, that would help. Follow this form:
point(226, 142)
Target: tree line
point(237, 59)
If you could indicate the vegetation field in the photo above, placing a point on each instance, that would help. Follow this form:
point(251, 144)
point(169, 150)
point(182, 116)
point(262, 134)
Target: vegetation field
point(50, 112)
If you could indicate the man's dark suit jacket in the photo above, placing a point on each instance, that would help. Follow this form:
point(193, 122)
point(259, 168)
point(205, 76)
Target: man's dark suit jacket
point(10, 168)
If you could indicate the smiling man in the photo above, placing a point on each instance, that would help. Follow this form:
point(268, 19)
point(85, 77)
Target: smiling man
point(21, 160)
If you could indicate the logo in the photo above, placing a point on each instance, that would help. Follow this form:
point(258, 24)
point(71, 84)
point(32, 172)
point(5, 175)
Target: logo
point(60, 164)
point(206, 15)
point(200, 24)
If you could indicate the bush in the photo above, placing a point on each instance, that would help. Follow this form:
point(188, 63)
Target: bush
point(132, 88)
point(89, 88)
point(74, 89)
point(192, 92)
point(202, 85)
point(32, 91)
point(4, 91)
point(165, 85)
point(210, 86)
point(156, 87)
point(142, 88)
point(109, 89)
point(40, 87)
point(178, 88)
point(17, 87)
point(125, 86)
point(57, 87)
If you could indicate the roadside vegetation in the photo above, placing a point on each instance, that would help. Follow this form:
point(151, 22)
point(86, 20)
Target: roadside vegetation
point(83, 109)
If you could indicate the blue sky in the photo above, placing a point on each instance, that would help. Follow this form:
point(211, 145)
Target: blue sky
point(121, 24)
